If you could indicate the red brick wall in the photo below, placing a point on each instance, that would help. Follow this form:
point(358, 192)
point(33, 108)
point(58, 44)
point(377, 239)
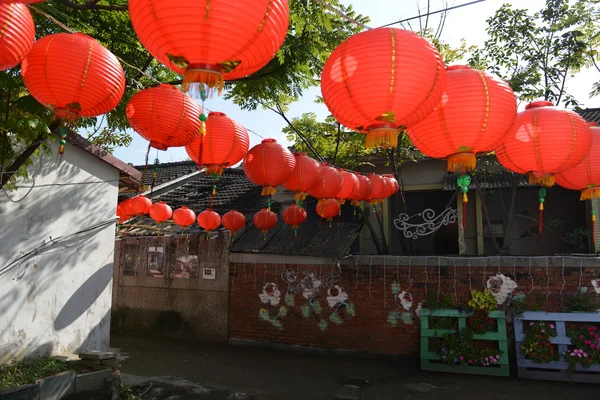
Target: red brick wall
point(369, 289)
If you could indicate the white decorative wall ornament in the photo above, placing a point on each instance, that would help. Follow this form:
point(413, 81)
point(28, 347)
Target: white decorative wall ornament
point(406, 300)
point(596, 286)
point(419, 308)
point(501, 287)
point(270, 294)
point(336, 295)
point(429, 225)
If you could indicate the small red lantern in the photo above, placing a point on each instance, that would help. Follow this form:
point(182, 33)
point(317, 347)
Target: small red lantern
point(476, 111)
point(350, 186)
point(17, 32)
point(264, 220)
point(122, 212)
point(209, 41)
point(234, 221)
point(139, 205)
point(20, 1)
point(380, 187)
point(585, 176)
point(382, 80)
point(365, 187)
point(545, 141)
point(294, 216)
point(184, 217)
point(91, 83)
point(269, 165)
point(224, 144)
point(160, 212)
point(209, 220)
point(165, 116)
point(305, 175)
point(328, 184)
point(391, 187)
point(328, 209)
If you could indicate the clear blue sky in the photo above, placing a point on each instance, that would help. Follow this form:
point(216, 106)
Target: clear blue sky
point(467, 22)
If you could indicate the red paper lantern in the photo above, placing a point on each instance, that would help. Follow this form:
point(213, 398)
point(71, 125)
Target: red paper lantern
point(73, 75)
point(17, 32)
point(544, 141)
point(264, 220)
point(20, 1)
point(476, 111)
point(328, 209)
point(365, 187)
point(122, 211)
point(139, 205)
point(350, 186)
point(380, 188)
point(165, 116)
point(328, 183)
point(234, 221)
point(209, 41)
point(224, 144)
point(585, 176)
point(382, 80)
point(269, 165)
point(184, 217)
point(294, 216)
point(160, 212)
point(391, 187)
point(209, 220)
point(304, 177)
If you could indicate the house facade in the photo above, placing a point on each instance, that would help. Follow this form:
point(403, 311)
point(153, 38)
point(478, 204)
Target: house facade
point(57, 252)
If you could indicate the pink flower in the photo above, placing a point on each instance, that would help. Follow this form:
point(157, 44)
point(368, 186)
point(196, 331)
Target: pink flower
point(585, 355)
point(593, 346)
point(580, 336)
point(579, 355)
point(552, 326)
point(497, 356)
point(470, 361)
point(531, 323)
point(462, 358)
point(572, 354)
point(543, 331)
point(588, 342)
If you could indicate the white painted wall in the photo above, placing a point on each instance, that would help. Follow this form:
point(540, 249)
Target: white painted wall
point(58, 301)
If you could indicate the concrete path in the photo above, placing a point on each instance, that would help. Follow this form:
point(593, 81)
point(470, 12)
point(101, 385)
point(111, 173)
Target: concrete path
point(242, 372)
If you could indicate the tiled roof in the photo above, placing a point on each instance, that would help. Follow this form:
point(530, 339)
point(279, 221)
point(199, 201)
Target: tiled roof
point(497, 180)
point(590, 114)
point(314, 239)
point(167, 171)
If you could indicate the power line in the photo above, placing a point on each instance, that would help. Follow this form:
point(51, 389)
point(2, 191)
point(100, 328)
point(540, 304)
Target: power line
point(432, 13)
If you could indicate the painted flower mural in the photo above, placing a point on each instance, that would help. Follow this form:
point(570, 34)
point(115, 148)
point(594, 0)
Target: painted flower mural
point(596, 286)
point(336, 295)
point(501, 287)
point(270, 294)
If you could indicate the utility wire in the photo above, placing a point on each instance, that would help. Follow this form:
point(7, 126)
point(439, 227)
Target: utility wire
point(432, 13)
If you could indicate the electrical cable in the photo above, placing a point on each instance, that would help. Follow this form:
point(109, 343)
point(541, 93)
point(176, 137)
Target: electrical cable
point(431, 13)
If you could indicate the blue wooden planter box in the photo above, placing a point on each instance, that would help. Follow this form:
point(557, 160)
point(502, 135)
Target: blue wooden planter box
point(556, 370)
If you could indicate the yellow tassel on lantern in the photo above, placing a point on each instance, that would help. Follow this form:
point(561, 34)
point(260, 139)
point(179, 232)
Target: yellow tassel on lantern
point(382, 137)
point(541, 207)
point(268, 191)
point(465, 198)
point(61, 149)
point(341, 202)
point(214, 170)
point(203, 128)
point(196, 80)
point(590, 193)
point(544, 180)
point(462, 163)
point(593, 217)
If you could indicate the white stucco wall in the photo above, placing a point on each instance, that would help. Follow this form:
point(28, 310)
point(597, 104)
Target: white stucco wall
point(58, 301)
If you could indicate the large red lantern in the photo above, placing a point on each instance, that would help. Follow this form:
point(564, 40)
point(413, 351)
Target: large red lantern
point(160, 212)
point(585, 176)
point(122, 211)
point(73, 75)
point(294, 216)
point(165, 116)
point(184, 217)
point(233, 221)
point(328, 183)
point(350, 186)
point(365, 187)
point(544, 141)
point(304, 177)
point(382, 80)
point(17, 32)
point(209, 41)
point(264, 220)
point(328, 209)
point(269, 165)
point(139, 205)
point(209, 220)
point(224, 144)
point(20, 1)
point(475, 113)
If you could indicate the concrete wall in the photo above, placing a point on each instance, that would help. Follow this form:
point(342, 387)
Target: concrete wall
point(58, 300)
point(160, 289)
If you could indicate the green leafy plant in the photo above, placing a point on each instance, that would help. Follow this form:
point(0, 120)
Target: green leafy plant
point(582, 301)
point(482, 300)
point(585, 349)
point(458, 349)
point(537, 346)
point(515, 305)
point(18, 373)
point(436, 301)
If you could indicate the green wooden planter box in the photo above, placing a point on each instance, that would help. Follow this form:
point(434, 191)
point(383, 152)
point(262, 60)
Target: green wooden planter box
point(433, 362)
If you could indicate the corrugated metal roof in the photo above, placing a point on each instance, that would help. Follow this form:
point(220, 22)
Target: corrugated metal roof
point(166, 171)
point(314, 239)
point(590, 114)
point(497, 180)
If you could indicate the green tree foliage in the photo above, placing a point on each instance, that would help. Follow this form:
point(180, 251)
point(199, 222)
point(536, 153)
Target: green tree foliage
point(537, 54)
point(313, 34)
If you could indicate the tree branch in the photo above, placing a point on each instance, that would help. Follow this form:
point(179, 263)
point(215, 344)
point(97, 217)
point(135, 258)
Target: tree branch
point(337, 143)
point(93, 5)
